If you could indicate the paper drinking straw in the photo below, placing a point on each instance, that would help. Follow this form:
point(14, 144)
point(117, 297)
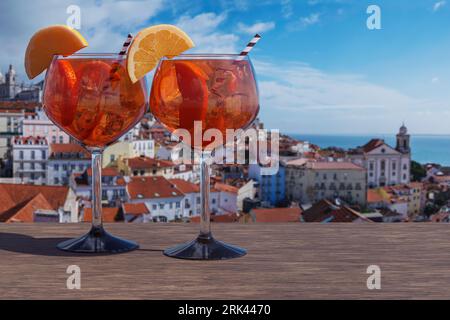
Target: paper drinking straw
point(249, 47)
point(122, 52)
point(126, 44)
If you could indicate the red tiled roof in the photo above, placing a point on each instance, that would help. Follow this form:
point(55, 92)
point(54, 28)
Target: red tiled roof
point(297, 162)
point(185, 186)
point(333, 166)
point(14, 197)
point(276, 215)
point(135, 208)
point(151, 188)
point(19, 105)
point(372, 144)
point(146, 163)
point(69, 148)
point(106, 172)
point(225, 188)
point(108, 214)
point(324, 210)
point(220, 218)
point(27, 140)
point(373, 196)
point(24, 212)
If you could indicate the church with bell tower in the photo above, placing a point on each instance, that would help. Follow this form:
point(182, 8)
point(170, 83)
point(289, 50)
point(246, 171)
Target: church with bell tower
point(385, 165)
point(10, 89)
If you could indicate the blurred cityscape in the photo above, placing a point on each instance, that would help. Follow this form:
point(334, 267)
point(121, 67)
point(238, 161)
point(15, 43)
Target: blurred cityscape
point(46, 177)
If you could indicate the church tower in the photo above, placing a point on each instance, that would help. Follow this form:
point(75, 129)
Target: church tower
point(403, 140)
point(10, 82)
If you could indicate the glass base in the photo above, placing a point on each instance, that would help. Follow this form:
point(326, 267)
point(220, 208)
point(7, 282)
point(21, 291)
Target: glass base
point(205, 249)
point(97, 240)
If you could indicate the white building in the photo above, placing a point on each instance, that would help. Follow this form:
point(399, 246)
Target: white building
point(64, 160)
point(162, 198)
point(113, 185)
point(191, 202)
point(38, 125)
point(385, 165)
point(30, 159)
point(10, 127)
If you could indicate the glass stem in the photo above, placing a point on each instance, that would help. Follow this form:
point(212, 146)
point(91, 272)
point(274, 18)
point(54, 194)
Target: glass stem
point(96, 188)
point(205, 218)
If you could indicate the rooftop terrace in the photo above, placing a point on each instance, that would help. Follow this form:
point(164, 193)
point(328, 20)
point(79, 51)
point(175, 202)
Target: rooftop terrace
point(284, 261)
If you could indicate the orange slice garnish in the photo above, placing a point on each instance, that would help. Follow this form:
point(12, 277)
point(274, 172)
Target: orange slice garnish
point(50, 41)
point(153, 43)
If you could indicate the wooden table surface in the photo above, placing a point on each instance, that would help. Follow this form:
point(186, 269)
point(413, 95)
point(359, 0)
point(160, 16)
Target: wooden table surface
point(284, 261)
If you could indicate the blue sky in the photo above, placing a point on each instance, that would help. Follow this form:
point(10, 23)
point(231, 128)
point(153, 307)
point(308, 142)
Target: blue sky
point(319, 68)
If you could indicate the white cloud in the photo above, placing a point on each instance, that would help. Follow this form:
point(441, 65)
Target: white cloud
point(286, 8)
point(313, 18)
point(258, 27)
point(435, 80)
point(104, 24)
point(296, 97)
point(438, 5)
point(202, 29)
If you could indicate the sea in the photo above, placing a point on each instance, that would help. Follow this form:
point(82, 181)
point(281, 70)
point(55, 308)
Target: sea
point(424, 148)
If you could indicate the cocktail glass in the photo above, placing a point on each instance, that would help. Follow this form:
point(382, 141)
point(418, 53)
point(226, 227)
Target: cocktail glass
point(91, 97)
point(220, 91)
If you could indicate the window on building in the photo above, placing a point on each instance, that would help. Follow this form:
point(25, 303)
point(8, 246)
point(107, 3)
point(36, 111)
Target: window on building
point(178, 204)
point(32, 165)
point(394, 165)
point(61, 140)
point(21, 155)
point(383, 165)
point(64, 167)
point(112, 158)
point(213, 201)
point(405, 167)
point(72, 167)
point(154, 207)
point(198, 200)
point(161, 205)
point(171, 205)
point(56, 180)
point(186, 203)
point(43, 154)
point(371, 166)
point(21, 165)
point(53, 139)
point(33, 155)
point(56, 167)
point(32, 176)
point(80, 167)
point(104, 195)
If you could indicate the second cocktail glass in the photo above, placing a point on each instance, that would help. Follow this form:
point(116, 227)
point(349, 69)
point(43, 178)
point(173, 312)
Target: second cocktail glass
point(91, 97)
point(219, 92)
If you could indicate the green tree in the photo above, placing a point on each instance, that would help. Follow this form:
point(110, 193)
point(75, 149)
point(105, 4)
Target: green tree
point(418, 172)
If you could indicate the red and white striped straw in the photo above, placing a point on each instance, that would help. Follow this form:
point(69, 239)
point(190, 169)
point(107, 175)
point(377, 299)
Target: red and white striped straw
point(249, 46)
point(126, 44)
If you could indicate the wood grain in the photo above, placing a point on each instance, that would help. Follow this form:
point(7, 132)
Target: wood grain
point(284, 261)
